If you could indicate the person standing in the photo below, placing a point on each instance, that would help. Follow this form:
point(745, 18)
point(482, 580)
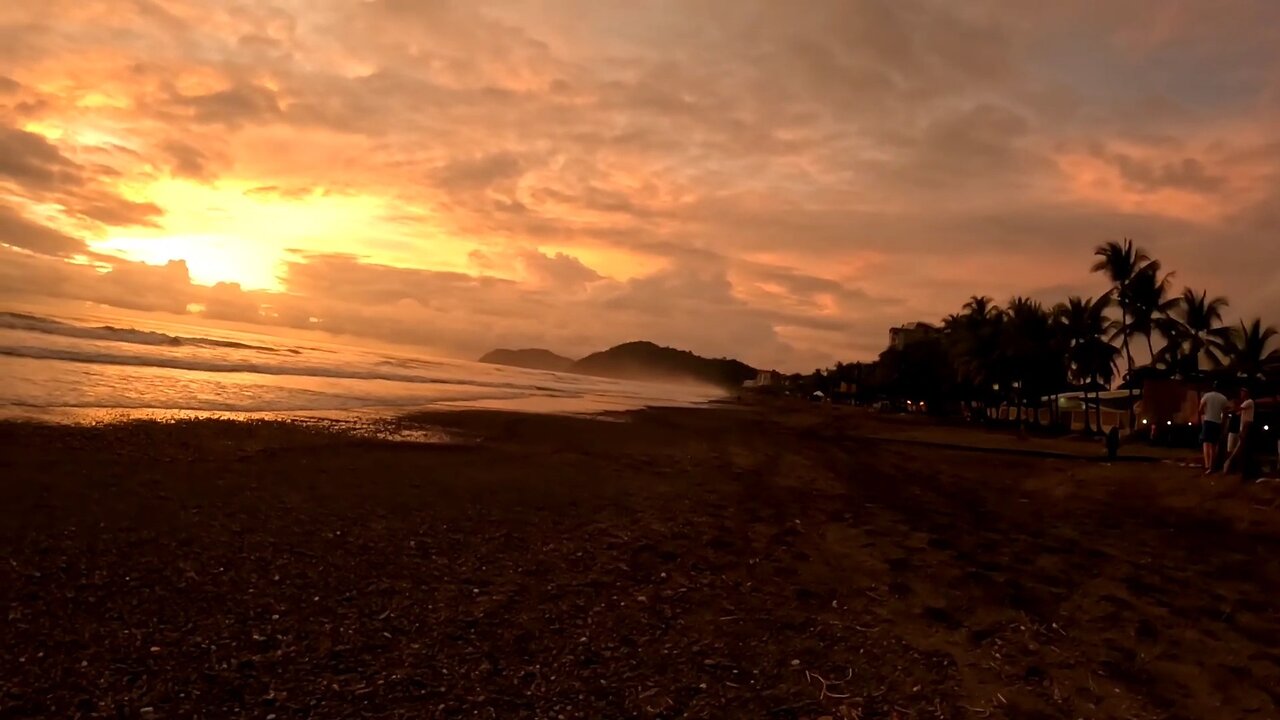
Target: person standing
point(1243, 453)
point(1212, 406)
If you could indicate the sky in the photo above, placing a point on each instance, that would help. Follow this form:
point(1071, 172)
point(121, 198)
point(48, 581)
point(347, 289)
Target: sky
point(775, 181)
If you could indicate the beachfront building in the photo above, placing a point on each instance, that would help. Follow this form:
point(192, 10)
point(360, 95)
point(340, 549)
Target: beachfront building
point(904, 335)
point(764, 379)
point(767, 378)
point(1166, 401)
point(1078, 410)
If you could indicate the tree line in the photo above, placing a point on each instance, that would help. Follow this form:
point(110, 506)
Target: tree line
point(986, 354)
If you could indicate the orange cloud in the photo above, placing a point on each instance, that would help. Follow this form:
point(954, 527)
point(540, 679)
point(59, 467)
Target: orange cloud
point(739, 176)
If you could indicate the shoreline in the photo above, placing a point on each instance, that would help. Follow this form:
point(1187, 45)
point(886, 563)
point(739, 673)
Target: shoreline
point(540, 405)
point(684, 563)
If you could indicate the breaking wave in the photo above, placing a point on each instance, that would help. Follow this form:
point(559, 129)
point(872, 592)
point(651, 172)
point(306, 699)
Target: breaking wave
point(53, 365)
point(233, 366)
point(49, 326)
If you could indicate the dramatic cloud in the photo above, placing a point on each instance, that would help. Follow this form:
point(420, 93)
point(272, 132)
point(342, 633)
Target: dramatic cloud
point(33, 167)
point(29, 159)
point(186, 160)
point(775, 181)
point(19, 232)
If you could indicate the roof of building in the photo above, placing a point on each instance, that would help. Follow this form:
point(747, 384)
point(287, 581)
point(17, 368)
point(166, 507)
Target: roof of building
point(913, 326)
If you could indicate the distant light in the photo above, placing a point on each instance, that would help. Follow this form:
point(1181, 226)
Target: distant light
point(1144, 421)
point(1168, 422)
point(1266, 427)
point(1188, 424)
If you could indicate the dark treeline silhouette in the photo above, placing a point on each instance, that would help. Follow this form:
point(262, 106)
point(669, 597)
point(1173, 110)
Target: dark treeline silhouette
point(986, 355)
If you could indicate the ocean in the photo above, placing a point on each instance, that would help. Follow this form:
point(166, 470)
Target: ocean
point(90, 366)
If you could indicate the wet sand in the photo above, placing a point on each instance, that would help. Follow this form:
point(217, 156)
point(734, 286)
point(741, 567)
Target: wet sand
point(763, 562)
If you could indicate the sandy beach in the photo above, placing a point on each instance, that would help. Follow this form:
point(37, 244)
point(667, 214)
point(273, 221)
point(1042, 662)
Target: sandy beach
point(745, 562)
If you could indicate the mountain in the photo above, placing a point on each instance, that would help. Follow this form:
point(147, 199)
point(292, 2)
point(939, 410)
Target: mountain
point(532, 358)
point(647, 361)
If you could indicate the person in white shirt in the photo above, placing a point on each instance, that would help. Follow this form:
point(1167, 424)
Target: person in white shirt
point(1243, 452)
point(1212, 406)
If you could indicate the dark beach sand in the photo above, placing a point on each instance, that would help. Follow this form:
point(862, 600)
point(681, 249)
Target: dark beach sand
point(720, 563)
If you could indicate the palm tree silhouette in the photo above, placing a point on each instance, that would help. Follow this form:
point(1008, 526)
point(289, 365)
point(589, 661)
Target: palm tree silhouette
point(1027, 344)
point(985, 353)
point(1195, 335)
point(1121, 262)
point(980, 307)
point(974, 343)
point(1092, 359)
point(1149, 303)
point(1247, 348)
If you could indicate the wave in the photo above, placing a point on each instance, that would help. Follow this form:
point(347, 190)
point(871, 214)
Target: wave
point(292, 403)
point(49, 326)
point(228, 366)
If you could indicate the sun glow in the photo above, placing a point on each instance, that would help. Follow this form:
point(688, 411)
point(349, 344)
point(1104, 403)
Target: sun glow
point(242, 233)
point(210, 259)
point(47, 130)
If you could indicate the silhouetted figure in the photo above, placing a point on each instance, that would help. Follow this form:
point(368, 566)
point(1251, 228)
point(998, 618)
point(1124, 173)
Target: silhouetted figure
point(1213, 405)
point(1245, 454)
point(1113, 442)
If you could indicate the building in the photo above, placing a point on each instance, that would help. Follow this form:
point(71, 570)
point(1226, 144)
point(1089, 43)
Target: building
point(902, 336)
point(765, 378)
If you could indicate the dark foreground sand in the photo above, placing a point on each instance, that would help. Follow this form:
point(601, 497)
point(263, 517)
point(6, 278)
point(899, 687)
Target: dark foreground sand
point(726, 563)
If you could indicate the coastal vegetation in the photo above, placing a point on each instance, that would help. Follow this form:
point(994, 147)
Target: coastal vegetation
point(1025, 350)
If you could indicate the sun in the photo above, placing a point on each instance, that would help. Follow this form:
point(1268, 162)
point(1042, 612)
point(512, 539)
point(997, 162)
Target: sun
point(243, 233)
point(210, 259)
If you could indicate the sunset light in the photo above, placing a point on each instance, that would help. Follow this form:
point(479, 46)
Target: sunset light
point(640, 359)
point(241, 233)
point(716, 176)
point(209, 259)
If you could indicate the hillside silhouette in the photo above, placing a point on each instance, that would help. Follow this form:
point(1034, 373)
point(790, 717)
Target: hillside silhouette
point(644, 360)
point(532, 358)
point(640, 360)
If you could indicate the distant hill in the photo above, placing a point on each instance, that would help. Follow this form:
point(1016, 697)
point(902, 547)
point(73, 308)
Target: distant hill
point(647, 361)
point(532, 358)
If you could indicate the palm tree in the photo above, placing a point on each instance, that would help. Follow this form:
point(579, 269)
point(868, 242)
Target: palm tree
point(1059, 354)
point(1247, 349)
point(1121, 262)
point(1194, 332)
point(980, 307)
point(973, 340)
point(1027, 344)
point(1172, 357)
point(1072, 320)
point(1149, 303)
point(1098, 360)
point(1085, 323)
